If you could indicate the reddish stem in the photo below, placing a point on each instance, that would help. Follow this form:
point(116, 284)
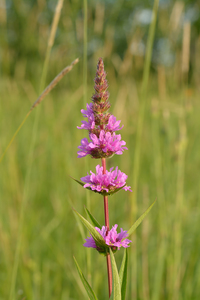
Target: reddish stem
point(106, 213)
point(109, 274)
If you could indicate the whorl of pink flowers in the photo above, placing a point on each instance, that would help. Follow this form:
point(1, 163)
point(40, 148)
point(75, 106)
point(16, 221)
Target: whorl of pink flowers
point(111, 125)
point(112, 238)
point(108, 182)
point(105, 145)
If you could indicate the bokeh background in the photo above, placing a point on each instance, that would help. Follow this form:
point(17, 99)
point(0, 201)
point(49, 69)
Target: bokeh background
point(161, 129)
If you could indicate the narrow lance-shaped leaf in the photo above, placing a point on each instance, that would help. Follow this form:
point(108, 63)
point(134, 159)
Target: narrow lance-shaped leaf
point(95, 234)
point(123, 274)
point(92, 218)
point(116, 287)
point(87, 286)
point(80, 226)
point(137, 223)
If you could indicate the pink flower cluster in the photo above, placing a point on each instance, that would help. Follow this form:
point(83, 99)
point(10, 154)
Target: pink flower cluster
point(112, 238)
point(111, 126)
point(105, 145)
point(106, 182)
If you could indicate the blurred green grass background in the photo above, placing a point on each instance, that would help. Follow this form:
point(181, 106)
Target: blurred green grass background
point(167, 242)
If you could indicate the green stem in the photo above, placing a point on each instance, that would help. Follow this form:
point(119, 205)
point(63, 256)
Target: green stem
point(88, 202)
point(85, 53)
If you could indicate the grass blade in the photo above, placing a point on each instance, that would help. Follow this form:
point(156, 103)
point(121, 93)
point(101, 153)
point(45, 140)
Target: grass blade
point(87, 286)
point(95, 234)
point(137, 223)
point(123, 274)
point(116, 289)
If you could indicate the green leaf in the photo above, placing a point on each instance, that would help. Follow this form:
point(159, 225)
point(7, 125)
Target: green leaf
point(123, 274)
point(116, 287)
point(94, 221)
point(104, 193)
point(137, 223)
point(80, 226)
point(78, 181)
point(87, 286)
point(99, 241)
point(82, 184)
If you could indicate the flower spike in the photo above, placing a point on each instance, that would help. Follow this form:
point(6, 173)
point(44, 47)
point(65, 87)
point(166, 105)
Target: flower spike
point(100, 123)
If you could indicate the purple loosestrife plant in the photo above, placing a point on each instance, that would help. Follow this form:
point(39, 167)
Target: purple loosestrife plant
point(103, 143)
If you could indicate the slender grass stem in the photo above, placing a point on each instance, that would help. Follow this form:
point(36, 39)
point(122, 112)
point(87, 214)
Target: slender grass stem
point(22, 215)
point(179, 207)
point(51, 42)
point(138, 143)
point(88, 202)
point(85, 52)
point(12, 139)
point(163, 245)
point(106, 214)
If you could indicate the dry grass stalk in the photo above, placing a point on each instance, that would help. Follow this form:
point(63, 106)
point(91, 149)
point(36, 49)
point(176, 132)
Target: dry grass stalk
point(3, 14)
point(178, 225)
point(186, 48)
point(197, 63)
point(55, 23)
point(175, 18)
point(99, 18)
point(145, 237)
point(161, 81)
point(51, 42)
point(54, 83)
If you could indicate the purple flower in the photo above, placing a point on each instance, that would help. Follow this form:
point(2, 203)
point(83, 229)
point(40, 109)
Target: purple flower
point(90, 115)
point(106, 182)
point(105, 145)
point(112, 238)
point(112, 125)
point(88, 112)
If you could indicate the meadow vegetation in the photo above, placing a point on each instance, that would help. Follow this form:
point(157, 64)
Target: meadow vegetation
point(36, 170)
